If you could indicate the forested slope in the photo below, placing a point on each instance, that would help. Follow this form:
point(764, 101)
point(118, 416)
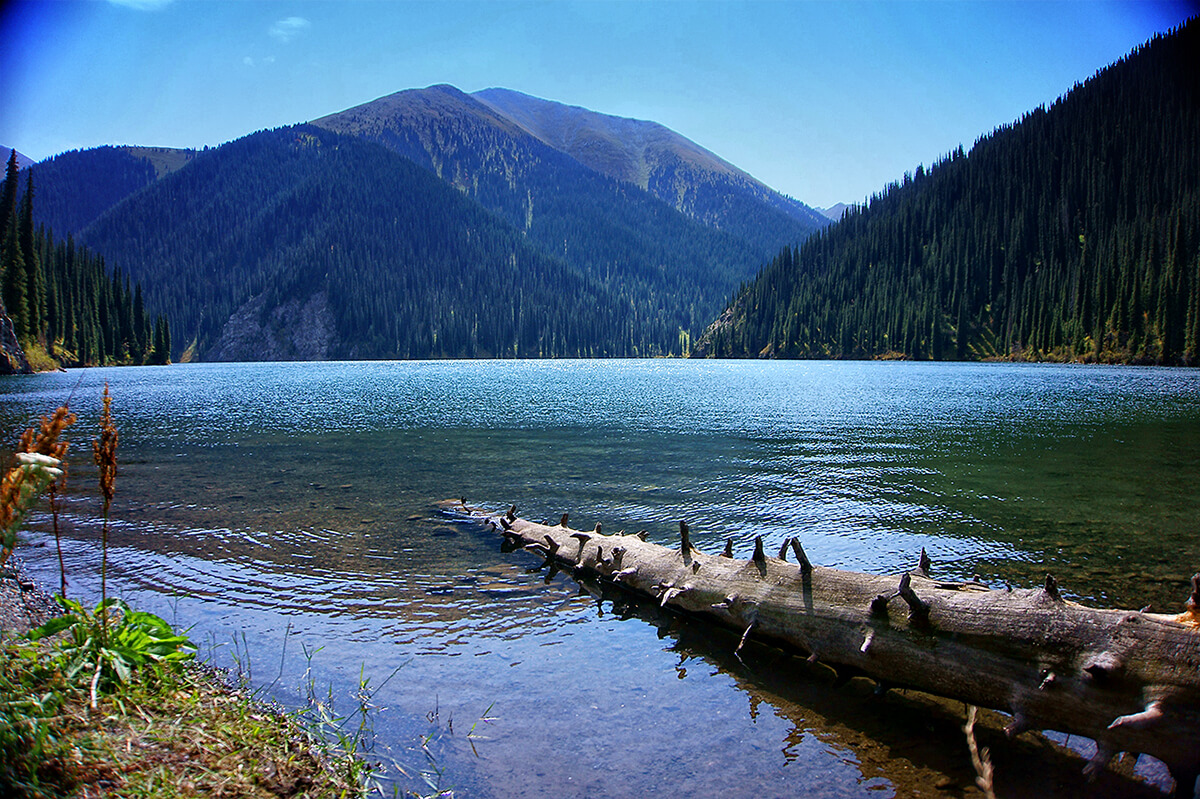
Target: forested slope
point(1073, 234)
point(673, 270)
point(303, 243)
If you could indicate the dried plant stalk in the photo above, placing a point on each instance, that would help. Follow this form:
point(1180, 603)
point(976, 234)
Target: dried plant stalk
point(104, 451)
point(40, 454)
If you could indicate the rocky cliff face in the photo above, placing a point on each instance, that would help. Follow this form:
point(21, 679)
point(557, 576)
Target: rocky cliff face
point(12, 357)
point(296, 330)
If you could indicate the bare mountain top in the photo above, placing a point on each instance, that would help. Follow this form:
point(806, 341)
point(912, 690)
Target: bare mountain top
point(652, 156)
point(835, 212)
point(622, 148)
point(164, 159)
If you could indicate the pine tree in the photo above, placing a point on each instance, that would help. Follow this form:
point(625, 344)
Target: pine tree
point(35, 291)
point(15, 280)
point(8, 200)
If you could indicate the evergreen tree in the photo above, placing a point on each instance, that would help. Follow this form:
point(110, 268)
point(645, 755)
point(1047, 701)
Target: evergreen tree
point(8, 199)
point(35, 291)
point(15, 280)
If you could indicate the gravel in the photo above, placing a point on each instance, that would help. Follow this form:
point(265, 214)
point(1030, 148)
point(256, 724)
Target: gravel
point(23, 605)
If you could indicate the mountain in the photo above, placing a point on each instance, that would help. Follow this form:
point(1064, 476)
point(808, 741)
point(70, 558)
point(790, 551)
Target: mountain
point(1072, 234)
point(674, 169)
point(301, 243)
point(834, 212)
point(230, 243)
point(74, 188)
point(673, 270)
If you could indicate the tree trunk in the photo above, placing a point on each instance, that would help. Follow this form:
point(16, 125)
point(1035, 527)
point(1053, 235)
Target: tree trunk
point(1126, 679)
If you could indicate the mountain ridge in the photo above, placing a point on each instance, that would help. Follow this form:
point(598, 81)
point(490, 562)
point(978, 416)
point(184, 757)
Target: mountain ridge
point(645, 153)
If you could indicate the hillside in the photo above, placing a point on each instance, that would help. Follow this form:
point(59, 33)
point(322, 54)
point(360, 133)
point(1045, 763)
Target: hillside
point(675, 271)
point(674, 169)
point(1073, 234)
point(300, 243)
point(76, 187)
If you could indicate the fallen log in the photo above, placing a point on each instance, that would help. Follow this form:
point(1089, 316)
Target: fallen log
point(1129, 680)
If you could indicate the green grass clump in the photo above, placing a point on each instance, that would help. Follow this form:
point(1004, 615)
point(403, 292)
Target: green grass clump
point(167, 731)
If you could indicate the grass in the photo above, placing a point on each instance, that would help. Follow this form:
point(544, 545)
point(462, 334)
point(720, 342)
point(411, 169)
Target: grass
point(39, 359)
point(165, 732)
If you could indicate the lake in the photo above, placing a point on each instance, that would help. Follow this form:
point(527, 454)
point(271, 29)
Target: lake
point(287, 514)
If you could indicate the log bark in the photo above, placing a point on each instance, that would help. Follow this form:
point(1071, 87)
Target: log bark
point(1129, 680)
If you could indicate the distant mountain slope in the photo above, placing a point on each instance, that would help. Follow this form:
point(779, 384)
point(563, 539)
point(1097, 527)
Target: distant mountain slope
point(835, 211)
point(673, 168)
point(674, 271)
point(1073, 234)
point(74, 188)
point(300, 243)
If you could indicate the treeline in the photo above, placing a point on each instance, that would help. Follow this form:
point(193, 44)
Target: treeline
point(1073, 234)
point(62, 300)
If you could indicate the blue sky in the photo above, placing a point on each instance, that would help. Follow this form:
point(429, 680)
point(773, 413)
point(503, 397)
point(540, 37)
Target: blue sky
point(824, 101)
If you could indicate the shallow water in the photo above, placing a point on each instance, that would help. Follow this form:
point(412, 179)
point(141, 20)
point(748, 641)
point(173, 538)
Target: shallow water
point(288, 513)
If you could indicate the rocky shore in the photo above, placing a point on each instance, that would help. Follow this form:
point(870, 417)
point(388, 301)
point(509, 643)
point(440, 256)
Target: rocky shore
point(23, 604)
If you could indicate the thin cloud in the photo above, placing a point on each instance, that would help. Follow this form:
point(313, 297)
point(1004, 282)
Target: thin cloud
point(289, 28)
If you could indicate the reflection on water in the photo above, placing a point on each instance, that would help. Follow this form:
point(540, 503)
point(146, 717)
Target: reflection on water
point(287, 511)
